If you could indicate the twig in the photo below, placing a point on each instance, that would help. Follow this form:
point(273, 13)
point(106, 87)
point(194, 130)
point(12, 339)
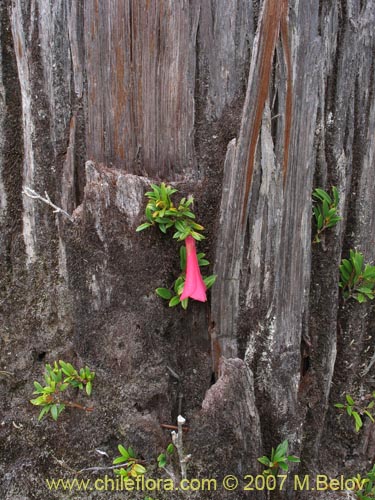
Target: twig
point(97, 469)
point(71, 404)
point(180, 398)
point(177, 441)
point(185, 428)
point(47, 200)
point(369, 366)
point(173, 373)
point(63, 464)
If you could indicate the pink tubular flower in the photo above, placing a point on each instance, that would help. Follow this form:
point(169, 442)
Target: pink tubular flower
point(194, 285)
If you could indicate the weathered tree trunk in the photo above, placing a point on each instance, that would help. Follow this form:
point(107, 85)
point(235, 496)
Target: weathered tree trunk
point(97, 100)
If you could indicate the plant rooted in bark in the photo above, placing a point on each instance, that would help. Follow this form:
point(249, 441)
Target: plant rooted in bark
point(357, 279)
point(59, 379)
point(278, 460)
point(357, 410)
point(160, 210)
point(131, 466)
point(176, 296)
point(325, 211)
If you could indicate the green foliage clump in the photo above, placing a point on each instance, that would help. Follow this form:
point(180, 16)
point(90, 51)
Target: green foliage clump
point(368, 490)
point(279, 459)
point(59, 379)
point(163, 457)
point(161, 211)
point(132, 468)
point(174, 296)
point(357, 279)
point(357, 411)
point(325, 211)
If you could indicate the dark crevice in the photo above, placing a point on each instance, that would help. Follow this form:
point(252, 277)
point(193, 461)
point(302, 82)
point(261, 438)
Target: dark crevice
point(12, 149)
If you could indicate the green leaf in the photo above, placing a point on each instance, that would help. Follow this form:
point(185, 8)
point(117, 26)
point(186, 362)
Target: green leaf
point(180, 225)
point(264, 460)
point(316, 212)
point(350, 400)
point(335, 193)
point(364, 289)
point(339, 405)
point(170, 448)
point(344, 273)
point(174, 301)
point(358, 263)
point(38, 387)
point(320, 221)
point(325, 209)
point(139, 469)
point(203, 262)
point(54, 412)
point(179, 284)
point(164, 293)
point(281, 450)
point(332, 212)
point(162, 228)
point(197, 226)
point(294, 459)
point(184, 303)
point(41, 400)
point(334, 221)
point(124, 452)
point(197, 236)
point(209, 280)
point(283, 466)
point(348, 265)
point(369, 415)
point(162, 460)
point(358, 420)
point(119, 460)
point(185, 234)
point(360, 298)
point(148, 213)
point(131, 452)
point(143, 226)
point(183, 258)
point(369, 272)
point(163, 193)
point(44, 411)
point(322, 195)
point(88, 388)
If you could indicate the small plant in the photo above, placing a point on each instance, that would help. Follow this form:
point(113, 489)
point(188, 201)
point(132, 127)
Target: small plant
point(357, 279)
point(174, 297)
point(367, 490)
point(132, 468)
point(59, 379)
point(163, 457)
point(278, 459)
point(357, 411)
point(161, 210)
point(325, 211)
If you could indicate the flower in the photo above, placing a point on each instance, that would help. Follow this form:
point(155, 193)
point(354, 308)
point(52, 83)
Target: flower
point(194, 285)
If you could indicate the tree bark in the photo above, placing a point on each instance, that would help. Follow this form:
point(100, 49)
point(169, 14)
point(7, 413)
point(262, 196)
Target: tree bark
point(97, 101)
